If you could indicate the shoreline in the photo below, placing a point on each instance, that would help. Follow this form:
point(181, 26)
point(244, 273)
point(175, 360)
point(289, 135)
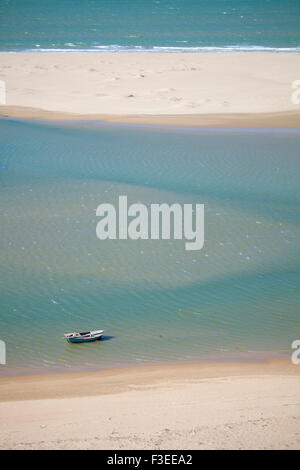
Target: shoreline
point(211, 406)
point(118, 48)
point(276, 120)
point(120, 379)
point(230, 357)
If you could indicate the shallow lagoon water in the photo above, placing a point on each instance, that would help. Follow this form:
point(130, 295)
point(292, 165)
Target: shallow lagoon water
point(235, 298)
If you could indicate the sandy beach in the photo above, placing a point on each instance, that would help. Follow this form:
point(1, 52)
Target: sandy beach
point(236, 90)
point(184, 406)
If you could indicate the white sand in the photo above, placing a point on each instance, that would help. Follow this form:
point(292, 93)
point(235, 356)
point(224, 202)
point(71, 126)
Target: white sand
point(150, 84)
point(178, 407)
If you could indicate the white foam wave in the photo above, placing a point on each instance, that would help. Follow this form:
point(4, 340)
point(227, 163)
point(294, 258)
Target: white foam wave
point(118, 48)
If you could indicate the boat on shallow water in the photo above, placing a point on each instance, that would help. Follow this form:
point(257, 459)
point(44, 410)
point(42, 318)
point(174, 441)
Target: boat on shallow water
point(84, 337)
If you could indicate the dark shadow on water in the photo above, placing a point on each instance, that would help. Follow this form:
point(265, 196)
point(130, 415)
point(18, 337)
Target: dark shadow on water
point(106, 338)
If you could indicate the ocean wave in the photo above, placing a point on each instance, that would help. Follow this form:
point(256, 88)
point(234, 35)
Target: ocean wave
point(183, 49)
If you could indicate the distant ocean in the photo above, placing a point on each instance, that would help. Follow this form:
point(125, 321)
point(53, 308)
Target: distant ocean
point(150, 25)
point(237, 298)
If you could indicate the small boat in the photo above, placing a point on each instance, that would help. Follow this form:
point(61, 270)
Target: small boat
point(85, 337)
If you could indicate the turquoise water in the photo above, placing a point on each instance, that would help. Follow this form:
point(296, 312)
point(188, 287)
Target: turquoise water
point(238, 297)
point(149, 25)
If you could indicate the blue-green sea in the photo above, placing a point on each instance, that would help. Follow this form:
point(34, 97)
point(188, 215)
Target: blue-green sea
point(237, 298)
point(150, 25)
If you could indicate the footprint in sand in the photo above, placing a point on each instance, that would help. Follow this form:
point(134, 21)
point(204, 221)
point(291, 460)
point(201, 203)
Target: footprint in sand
point(112, 79)
point(192, 105)
point(165, 90)
point(176, 98)
point(138, 76)
point(196, 104)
